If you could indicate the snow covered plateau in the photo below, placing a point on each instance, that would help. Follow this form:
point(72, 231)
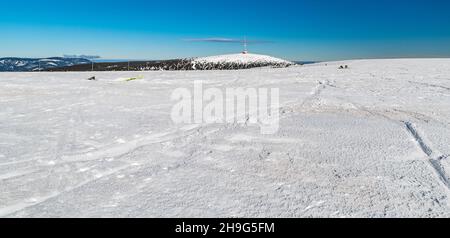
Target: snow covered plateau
point(372, 140)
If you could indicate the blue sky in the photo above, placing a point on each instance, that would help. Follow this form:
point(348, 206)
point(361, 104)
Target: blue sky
point(298, 30)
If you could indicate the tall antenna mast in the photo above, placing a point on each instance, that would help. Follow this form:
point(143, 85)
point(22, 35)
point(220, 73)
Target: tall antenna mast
point(245, 46)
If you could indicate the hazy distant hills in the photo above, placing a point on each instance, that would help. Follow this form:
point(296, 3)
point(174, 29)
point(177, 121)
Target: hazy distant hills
point(13, 64)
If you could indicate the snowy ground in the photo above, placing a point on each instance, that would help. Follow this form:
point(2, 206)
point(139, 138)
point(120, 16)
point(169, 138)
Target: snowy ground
point(370, 141)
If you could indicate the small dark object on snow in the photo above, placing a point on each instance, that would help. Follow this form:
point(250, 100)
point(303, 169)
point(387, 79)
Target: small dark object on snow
point(92, 78)
point(341, 67)
point(346, 66)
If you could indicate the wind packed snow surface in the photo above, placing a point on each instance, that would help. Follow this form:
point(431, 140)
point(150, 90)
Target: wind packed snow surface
point(369, 141)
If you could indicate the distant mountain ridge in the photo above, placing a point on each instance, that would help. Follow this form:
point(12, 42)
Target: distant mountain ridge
point(15, 64)
point(219, 62)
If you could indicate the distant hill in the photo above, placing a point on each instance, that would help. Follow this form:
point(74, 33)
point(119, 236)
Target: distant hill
point(238, 61)
point(13, 64)
point(306, 62)
point(220, 62)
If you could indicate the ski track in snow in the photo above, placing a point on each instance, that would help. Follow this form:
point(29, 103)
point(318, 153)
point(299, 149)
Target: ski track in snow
point(76, 148)
point(435, 160)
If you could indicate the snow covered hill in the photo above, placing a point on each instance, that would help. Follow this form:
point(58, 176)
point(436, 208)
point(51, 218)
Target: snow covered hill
point(242, 58)
point(27, 64)
point(238, 61)
point(220, 62)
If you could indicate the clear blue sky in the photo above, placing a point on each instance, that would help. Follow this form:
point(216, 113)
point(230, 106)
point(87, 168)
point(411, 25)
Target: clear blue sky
point(299, 30)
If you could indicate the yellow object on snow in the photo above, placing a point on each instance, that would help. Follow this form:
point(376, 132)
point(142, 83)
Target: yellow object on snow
point(134, 78)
